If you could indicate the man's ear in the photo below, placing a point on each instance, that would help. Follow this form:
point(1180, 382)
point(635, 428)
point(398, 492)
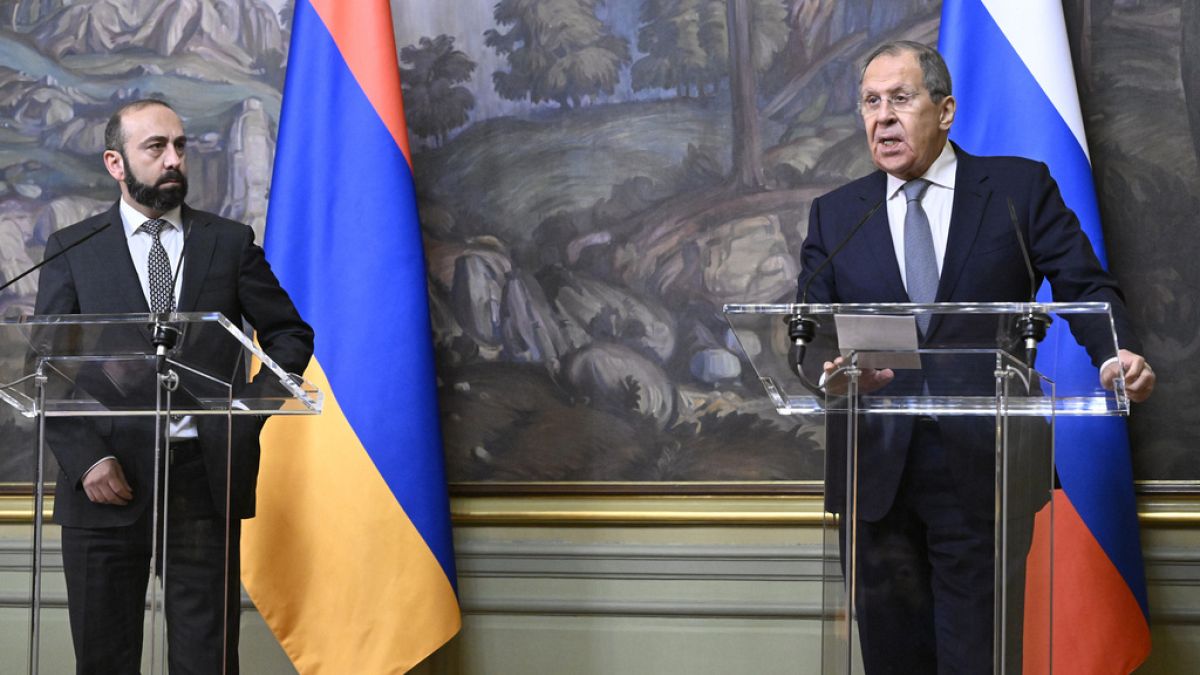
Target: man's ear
point(946, 118)
point(115, 164)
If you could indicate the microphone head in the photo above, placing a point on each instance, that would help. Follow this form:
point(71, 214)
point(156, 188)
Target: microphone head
point(164, 335)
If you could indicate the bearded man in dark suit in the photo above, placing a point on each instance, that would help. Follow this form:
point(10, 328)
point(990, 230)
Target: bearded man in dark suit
point(103, 498)
point(925, 485)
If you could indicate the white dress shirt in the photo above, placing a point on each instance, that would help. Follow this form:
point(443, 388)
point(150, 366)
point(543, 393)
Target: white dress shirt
point(140, 241)
point(938, 202)
point(172, 238)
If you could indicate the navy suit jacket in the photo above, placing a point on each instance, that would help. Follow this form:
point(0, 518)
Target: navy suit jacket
point(224, 271)
point(983, 263)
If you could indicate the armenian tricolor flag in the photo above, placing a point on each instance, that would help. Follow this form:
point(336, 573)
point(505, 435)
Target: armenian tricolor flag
point(1013, 78)
point(349, 559)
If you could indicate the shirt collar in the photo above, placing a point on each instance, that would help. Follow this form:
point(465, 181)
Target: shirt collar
point(940, 173)
point(132, 219)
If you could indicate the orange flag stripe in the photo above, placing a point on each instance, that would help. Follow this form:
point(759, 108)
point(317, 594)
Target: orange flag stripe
point(325, 495)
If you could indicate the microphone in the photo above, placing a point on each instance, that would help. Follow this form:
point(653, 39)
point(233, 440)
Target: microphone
point(164, 337)
point(62, 251)
point(802, 329)
point(1030, 326)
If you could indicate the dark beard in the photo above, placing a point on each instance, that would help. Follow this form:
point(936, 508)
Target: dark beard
point(152, 196)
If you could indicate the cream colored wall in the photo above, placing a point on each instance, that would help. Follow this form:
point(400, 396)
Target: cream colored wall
point(260, 652)
point(613, 585)
point(624, 586)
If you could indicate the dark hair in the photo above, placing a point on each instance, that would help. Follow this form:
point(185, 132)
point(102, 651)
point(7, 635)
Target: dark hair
point(114, 132)
point(934, 72)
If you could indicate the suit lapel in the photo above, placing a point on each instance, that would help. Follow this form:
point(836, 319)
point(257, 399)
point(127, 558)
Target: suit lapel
point(114, 250)
point(971, 195)
point(198, 246)
point(878, 236)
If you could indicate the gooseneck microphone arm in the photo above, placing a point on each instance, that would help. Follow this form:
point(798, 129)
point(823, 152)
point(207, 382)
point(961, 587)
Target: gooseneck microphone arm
point(803, 329)
point(1030, 326)
point(50, 259)
point(187, 234)
point(163, 335)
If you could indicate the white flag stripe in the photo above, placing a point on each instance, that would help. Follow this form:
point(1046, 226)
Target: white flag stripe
point(1037, 31)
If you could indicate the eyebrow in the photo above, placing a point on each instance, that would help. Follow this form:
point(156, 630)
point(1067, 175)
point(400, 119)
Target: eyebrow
point(897, 88)
point(163, 139)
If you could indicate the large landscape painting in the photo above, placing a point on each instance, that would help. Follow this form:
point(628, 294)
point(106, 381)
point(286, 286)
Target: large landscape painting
point(596, 180)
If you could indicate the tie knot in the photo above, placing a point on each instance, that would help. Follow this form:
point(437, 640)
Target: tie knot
point(154, 226)
point(915, 189)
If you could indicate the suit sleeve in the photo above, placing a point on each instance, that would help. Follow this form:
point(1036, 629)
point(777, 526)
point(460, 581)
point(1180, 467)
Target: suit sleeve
point(56, 286)
point(1062, 252)
point(814, 252)
point(284, 336)
point(75, 442)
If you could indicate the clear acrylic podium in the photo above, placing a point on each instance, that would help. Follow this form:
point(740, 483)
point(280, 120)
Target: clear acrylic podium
point(971, 379)
point(78, 369)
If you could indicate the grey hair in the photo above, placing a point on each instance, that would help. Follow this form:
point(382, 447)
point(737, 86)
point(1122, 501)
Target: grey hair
point(934, 73)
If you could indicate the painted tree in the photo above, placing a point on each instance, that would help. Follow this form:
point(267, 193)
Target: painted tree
point(557, 50)
point(1189, 53)
point(686, 42)
point(743, 89)
point(434, 103)
point(685, 45)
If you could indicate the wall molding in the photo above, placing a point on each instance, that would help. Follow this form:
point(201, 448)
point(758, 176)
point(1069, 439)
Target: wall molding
point(675, 510)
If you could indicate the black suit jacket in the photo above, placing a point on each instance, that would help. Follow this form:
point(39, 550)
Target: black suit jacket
point(983, 263)
point(224, 271)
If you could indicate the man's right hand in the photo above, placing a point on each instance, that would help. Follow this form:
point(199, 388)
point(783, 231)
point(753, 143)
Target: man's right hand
point(105, 483)
point(869, 379)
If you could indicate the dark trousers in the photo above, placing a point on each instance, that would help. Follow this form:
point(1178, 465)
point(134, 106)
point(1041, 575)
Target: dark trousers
point(107, 571)
point(925, 574)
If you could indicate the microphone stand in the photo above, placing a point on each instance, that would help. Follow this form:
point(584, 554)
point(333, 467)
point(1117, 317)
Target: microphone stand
point(164, 337)
point(802, 329)
point(1031, 329)
point(1030, 326)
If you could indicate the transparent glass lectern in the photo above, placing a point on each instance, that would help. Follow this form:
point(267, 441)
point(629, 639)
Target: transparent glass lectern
point(996, 416)
point(102, 370)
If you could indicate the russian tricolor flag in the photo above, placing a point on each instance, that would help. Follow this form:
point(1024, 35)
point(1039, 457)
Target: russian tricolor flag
point(349, 559)
point(1011, 67)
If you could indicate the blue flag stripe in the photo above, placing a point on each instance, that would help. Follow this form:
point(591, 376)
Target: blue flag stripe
point(344, 238)
point(1004, 111)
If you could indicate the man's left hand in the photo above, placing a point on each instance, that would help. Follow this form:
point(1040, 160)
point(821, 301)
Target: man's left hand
point(1139, 376)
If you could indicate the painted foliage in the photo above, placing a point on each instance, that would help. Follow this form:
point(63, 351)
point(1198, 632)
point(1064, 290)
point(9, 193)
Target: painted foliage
point(596, 179)
point(65, 65)
point(626, 167)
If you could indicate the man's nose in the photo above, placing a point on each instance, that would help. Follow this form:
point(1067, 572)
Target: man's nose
point(885, 113)
point(172, 157)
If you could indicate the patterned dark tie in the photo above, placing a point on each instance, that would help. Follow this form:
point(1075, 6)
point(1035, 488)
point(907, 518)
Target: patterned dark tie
point(920, 259)
point(162, 292)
